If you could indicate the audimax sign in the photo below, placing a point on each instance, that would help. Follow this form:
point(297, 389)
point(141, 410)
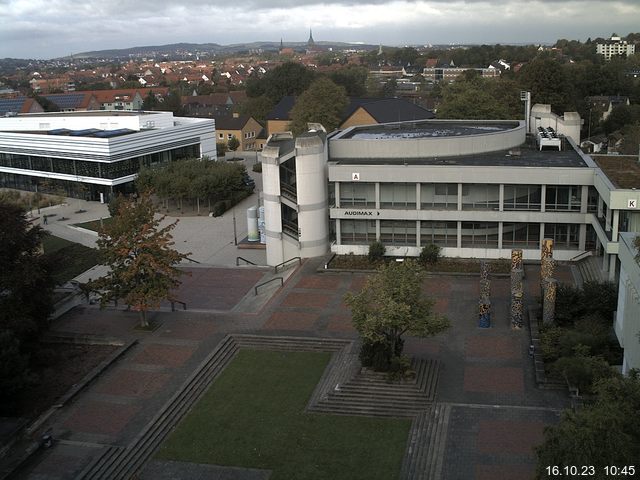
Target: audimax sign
point(360, 213)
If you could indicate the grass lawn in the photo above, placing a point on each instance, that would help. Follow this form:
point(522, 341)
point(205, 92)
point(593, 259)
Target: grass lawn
point(94, 224)
point(68, 259)
point(253, 416)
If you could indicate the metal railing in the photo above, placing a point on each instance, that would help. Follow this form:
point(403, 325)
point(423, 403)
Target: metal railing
point(173, 305)
point(275, 269)
point(244, 260)
point(255, 289)
point(580, 256)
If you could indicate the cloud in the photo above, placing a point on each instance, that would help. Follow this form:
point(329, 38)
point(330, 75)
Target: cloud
point(46, 28)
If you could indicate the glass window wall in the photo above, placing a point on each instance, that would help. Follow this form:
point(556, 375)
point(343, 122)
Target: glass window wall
point(522, 197)
point(439, 196)
point(357, 194)
point(520, 235)
point(560, 198)
point(480, 197)
point(480, 234)
point(398, 195)
point(398, 232)
point(357, 232)
point(443, 234)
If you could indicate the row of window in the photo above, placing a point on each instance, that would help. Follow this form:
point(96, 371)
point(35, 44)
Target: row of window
point(84, 168)
point(445, 234)
point(444, 196)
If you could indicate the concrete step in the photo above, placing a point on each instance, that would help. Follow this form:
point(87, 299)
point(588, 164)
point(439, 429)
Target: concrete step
point(367, 411)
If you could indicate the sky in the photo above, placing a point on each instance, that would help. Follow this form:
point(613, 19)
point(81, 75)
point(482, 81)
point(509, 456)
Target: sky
point(54, 28)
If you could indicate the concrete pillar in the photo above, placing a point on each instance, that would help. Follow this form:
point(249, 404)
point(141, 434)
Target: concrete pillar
point(459, 232)
point(499, 235)
point(541, 235)
point(338, 231)
point(615, 225)
point(612, 267)
point(582, 237)
point(543, 198)
point(270, 158)
point(607, 221)
point(378, 230)
point(418, 197)
point(418, 240)
point(584, 199)
point(459, 197)
point(337, 194)
point(501, 198)
point(378, 198)
point(600, 206)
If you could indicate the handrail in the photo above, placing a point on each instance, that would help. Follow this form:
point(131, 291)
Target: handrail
point(173, 305)
point(255, 289)
point(241, 258)
point(578, 257)
point(275, 269)
point(192, 260)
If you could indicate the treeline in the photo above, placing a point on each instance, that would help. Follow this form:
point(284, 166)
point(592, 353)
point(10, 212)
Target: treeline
point(196, 183)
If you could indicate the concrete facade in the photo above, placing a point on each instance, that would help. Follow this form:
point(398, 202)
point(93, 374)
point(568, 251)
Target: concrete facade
point(627, 317)
point(475, 188)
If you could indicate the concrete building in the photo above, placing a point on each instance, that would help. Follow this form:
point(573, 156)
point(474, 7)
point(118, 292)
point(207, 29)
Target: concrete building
point(627, 316)
point(615, 47)
point(102, 151)
point(475, 188)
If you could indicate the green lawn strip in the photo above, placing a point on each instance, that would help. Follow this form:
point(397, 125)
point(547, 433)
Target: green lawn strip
point(253, 416)
point(95, 224)
point(67, 259)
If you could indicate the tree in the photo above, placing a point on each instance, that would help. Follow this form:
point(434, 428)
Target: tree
point(290, 78)
point(233, 143)
point(547, 81)
point(26, 289)
point(477, 98)
point(391, 304)
point(140, 256)
point(606, 433)
point(323, 102)
point(150, 102)
point(353, 78)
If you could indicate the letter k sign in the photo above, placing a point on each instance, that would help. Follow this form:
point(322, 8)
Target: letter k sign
point(632, 203)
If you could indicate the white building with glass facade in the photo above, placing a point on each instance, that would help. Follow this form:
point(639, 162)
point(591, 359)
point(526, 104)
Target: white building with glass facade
point(94, 154)
point(627, 316)
point(475, 188)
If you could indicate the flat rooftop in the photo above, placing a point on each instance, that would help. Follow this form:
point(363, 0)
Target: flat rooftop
point(427, 129)
point(524, 156)
point(89, 113)
point(622, 170)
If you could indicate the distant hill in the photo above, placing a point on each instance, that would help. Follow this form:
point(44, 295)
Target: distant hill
point(211, 48)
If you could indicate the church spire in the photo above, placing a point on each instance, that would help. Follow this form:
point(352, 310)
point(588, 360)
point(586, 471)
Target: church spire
point(310, 42)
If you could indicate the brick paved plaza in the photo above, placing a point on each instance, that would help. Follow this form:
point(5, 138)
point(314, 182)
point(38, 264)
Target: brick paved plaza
point(486, 375)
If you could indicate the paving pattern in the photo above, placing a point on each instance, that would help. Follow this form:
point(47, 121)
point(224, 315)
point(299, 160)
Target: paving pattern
point(486, 415)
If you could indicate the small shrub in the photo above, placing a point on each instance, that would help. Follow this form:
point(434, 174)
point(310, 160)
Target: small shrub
point(550, 343)
point(376, 251)
point(430, 254)
point(219, 208)
point(257, 167)
point(115, 203)
point(583, 371)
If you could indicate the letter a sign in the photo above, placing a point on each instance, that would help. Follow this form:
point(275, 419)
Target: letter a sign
point(355, 177)
point(632, 203)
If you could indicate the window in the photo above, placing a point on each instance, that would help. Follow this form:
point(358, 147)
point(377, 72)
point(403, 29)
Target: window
point(229, 136)
point(565, 236)
point(442, 196)
point(522, 197)
point(398, 232)
point(398, 195)
point(357, 232)
point(357, 194)
point(443, 234)
point(480, 235)
point(563, 198)
point(221, 136)
point(520, 235)
point(480, 197)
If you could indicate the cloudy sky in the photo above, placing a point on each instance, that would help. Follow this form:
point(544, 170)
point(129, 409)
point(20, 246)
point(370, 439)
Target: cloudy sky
point(52, 28)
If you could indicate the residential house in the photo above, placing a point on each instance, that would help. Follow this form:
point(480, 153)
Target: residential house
point(10, 106)
point(359, 111)
point(74, 102)
point(604, 105)
point(615, 47)
point(243, 127)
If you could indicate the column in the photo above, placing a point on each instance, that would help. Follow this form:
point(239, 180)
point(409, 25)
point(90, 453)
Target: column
point(378, 199)
point(337, 194)
point(582, 237)
point(418, 199)
point(549, 305)
point(501, 198)
point(615, 225)
point(459, 197)
point(418, 240)
point(543, 198)
point(612, 267)
point(338, 231)
point(459, 231)
point(499, 235)
point(584, 199)
point(607, 221)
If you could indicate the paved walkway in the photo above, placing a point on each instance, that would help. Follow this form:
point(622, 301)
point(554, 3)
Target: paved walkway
point(497, 413)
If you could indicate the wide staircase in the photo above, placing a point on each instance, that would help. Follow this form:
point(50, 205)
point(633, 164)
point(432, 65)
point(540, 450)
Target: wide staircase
point(589, 269)
point(371, 393)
